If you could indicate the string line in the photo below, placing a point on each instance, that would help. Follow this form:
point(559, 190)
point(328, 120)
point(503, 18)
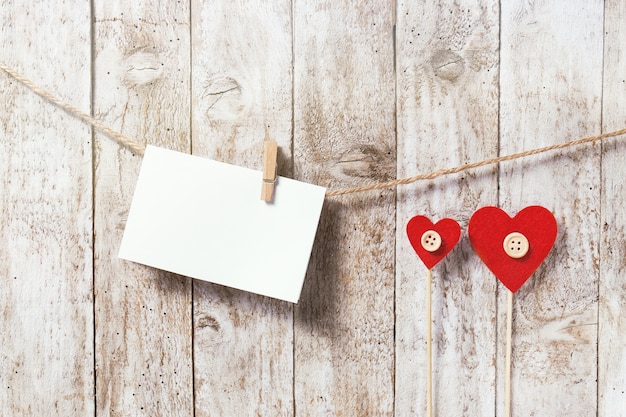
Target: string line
point(139, 148)
point(465, 167)
point(121, 139)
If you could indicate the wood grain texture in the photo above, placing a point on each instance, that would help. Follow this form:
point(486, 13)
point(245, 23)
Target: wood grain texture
point(612, 327)
point(344, 134)
point(46, 322)
point(550, 92)
point(143, 316)
point(349, 104)
point(447, 60)
point(242, 95)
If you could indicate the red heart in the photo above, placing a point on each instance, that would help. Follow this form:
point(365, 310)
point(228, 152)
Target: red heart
point(488, 228)
point(448, 229)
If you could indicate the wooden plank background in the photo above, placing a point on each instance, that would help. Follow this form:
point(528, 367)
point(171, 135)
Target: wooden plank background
point(354, 92)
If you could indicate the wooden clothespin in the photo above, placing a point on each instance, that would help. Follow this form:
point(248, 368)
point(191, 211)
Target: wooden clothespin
point(270, 151)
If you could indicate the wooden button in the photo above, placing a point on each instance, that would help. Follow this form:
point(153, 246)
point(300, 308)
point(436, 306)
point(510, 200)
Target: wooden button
point(515, 245)
point(431, 240)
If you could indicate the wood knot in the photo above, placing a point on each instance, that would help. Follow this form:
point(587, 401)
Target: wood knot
point(214, 328)
point(224, 98)
point(367, 161)
point(447, 65)
point(142, 67)
point(208, 321)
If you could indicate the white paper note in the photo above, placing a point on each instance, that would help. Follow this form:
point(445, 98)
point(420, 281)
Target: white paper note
point(205, 219)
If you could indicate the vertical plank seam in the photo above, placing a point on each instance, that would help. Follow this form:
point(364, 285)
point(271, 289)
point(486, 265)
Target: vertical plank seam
point(499, 146)
point(293, 95)
point(293, 164)
point(92, 78)
point(191, 281)
point(600, 226)
point(191, 3)
point(395, 241)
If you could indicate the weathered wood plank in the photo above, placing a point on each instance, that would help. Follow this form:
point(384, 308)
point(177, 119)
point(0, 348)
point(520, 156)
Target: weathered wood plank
point(242, 95)
point(612, 326)
point(551, 85)
point(143, 316)
point(447, 103)
point(46, 320)
point(447, 66)
point(344, 118)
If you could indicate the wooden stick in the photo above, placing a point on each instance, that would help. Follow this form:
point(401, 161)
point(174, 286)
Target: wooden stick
point(507, 363)
point(429, 344)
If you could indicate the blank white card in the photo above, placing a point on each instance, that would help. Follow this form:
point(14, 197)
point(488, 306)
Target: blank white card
point(205, 219)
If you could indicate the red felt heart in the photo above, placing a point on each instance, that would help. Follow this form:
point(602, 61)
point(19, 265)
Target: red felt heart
point(490, 226)
point(448, 230)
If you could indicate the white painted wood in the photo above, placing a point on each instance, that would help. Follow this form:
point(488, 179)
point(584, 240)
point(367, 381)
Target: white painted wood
point(143, 316)
point(46, 322)
point(242, 96)
point(344, 134)
point(356, 346)
point(612, 327)
point(447, 72)
point(550, 91)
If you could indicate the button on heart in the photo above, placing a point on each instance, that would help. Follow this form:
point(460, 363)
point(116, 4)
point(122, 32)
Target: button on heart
point(512, 248)
point(432, 242)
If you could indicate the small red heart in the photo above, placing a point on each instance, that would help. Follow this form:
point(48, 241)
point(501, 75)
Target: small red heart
point(433, 247)
point(514, 264)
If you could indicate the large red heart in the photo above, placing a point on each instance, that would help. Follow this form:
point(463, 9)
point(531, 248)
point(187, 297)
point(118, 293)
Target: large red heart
point(490, 226)
point(448, 230)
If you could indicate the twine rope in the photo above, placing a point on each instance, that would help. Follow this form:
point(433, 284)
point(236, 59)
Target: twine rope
point(139, 148)
point(121, 139)
point(465, 167)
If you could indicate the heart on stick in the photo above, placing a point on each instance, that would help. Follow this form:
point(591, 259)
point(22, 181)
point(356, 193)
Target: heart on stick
point(512, 248)
point(432, 242)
